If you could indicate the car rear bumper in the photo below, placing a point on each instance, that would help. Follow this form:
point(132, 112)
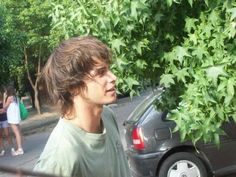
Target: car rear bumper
point(143, 165)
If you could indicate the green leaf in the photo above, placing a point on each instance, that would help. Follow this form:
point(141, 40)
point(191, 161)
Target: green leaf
point(206, 2)
point(141, 64)
point(214, 17)
point(228, 99)
point(190, 2)
point(190, 24)
point(131, 82)
point(217, 139)
point(220, 112)
point(193, 38)
point(231, 32)
point(181, 52)
point(209, 98)
point(158, 17)
point(208, 29)
point(221, 86)
point(167, 80)
point(117, 43)
point(155, 65)
point(183, 134)
point(169, 2)
point(230, 86)
point(140, 45)
point(230, 92)
point(134, 6)
point(181, 74)
point(214, 72)
point(233, 11)
point(199, 52)
point(234, 117)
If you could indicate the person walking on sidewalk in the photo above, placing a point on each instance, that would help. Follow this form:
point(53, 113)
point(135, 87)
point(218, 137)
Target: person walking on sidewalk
point(11, 105)
point(4, 128)
point(86, 138)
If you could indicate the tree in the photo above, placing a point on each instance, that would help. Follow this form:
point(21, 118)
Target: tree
point(32, 21)
point(200, 72)
point(189, 43)
point(10, 65)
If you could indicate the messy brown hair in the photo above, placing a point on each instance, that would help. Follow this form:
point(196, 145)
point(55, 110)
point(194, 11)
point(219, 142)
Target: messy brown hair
point(68, 66)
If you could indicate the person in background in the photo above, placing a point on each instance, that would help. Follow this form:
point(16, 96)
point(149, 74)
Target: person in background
point(11, 105)
point(86, 138)
point(4, 128)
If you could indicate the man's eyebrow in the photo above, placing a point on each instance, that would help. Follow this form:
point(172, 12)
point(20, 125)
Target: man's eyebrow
point(98, 70)
point(102, 68)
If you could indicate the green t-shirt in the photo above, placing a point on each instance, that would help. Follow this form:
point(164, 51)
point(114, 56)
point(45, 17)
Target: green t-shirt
point(72, 152)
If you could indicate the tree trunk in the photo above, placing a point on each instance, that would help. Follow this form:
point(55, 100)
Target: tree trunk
point(34, 85)
point(36, 101)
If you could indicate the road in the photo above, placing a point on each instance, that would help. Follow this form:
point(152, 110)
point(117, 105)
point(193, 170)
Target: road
point(33, 144)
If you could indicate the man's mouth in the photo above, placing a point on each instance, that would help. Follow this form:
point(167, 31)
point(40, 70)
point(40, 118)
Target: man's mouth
point(111, 89)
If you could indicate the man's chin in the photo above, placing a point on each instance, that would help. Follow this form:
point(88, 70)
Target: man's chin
point(113, 100)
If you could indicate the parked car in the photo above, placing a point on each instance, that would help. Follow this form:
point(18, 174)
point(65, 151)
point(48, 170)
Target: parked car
point(155, 151)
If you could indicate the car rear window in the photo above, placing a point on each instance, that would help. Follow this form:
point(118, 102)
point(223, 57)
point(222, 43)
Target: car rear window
point(140, 109)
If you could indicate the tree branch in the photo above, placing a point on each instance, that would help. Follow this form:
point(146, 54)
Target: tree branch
point(27, 68)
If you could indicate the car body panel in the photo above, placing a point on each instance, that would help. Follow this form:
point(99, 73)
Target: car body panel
point(160, 142)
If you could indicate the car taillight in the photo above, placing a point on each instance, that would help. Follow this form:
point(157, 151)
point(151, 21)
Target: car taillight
point(137, 138)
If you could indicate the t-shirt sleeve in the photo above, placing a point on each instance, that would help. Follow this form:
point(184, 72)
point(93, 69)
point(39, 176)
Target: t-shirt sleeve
point(47, 167)
point(58, 165)
point(51, 167)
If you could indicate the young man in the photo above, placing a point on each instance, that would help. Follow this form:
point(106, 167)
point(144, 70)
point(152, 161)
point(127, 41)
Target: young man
point(86, 141)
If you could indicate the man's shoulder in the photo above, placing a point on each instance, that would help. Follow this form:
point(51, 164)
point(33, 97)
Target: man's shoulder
point(106, 108)
point(108, 112)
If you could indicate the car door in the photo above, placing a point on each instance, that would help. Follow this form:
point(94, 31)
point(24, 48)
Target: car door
point(223, 159)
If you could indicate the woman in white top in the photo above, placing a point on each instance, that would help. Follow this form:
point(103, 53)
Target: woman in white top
point(11, 105)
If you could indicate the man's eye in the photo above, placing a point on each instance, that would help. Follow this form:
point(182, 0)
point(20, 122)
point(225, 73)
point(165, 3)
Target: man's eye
point(101, 72)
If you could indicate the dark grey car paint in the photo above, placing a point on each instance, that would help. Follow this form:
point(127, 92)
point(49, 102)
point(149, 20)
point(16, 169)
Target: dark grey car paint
point(160, 142)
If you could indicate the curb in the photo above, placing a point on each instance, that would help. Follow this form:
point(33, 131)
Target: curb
point(39, 125)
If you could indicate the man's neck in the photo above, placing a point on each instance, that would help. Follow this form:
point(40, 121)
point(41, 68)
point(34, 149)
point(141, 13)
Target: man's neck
point(87, 117)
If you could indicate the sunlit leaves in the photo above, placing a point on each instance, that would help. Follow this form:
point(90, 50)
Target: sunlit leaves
point(230, 91)
point(169, 2)
point(199, 51)
point(214, 72)
point(181, 52)
point(190, 2)
point(167, 80)
point(190, 24)
point(141, 64)
point(204, 64)
point(182, 74)
point(233, 13)
point(117, 44)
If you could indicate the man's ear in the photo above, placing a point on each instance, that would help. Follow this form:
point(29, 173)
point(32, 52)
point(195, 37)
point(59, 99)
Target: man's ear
point(74, 91)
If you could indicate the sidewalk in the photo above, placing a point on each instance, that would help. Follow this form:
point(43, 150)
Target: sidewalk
point(37, 121)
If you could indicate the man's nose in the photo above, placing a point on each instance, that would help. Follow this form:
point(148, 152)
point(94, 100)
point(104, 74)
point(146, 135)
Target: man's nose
point(112, 76)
